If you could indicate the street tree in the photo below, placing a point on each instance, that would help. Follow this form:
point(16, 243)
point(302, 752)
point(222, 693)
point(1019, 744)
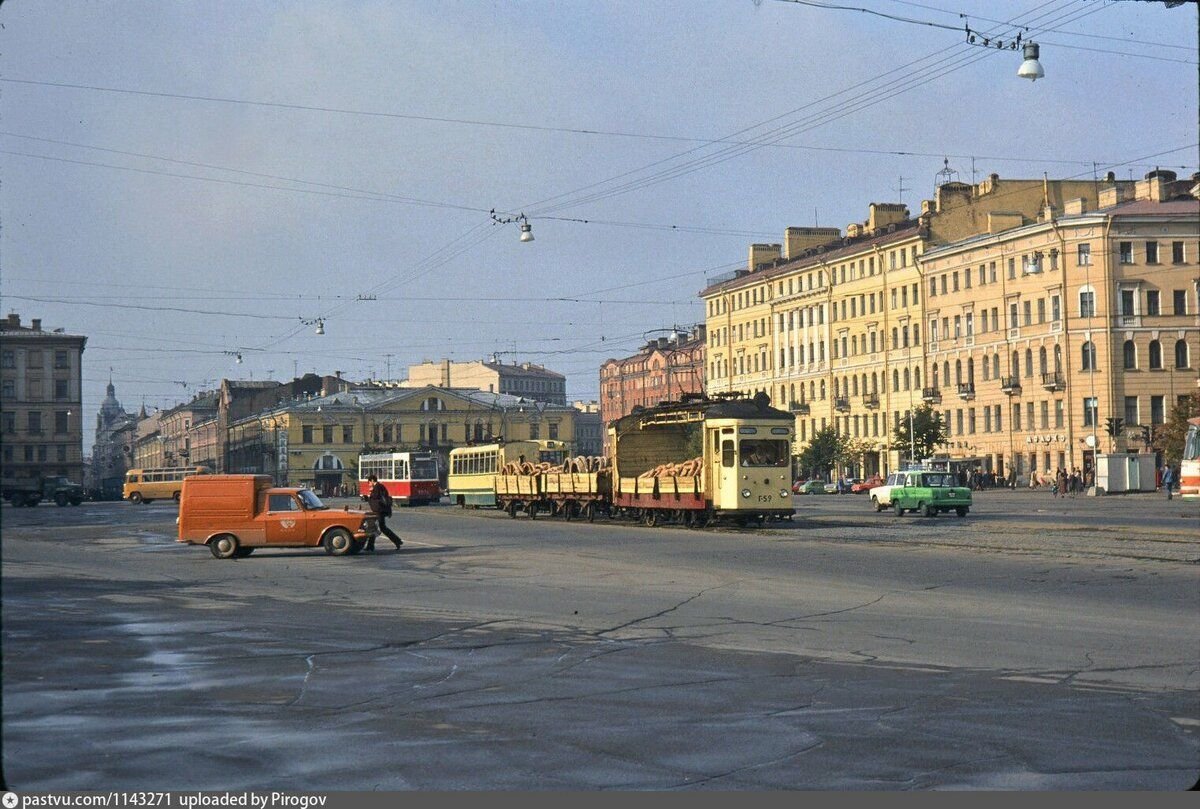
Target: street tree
point(1169, 437)
point(823, 452)
point(928, 432)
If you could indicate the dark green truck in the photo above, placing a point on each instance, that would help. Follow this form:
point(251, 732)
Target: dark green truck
point(930, 492)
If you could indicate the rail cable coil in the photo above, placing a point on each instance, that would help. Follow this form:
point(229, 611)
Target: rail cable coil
point(580, 464)
point(682, 469)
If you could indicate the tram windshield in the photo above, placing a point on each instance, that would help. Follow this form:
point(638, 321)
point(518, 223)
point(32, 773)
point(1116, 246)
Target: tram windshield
point(757, 452)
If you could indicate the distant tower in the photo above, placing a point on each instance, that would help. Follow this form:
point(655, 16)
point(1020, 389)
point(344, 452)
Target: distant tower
point(946, 175)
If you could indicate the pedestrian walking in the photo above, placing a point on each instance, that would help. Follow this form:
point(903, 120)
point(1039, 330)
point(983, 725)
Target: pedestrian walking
point(380, 503)
point(1060, 480)
point(1012, 478)
point(1168, 479)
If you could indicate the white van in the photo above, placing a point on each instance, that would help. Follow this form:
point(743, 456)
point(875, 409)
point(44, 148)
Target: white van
point(881, 496)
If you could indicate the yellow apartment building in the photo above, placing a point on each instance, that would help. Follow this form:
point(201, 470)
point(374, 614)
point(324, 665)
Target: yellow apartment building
point(833, 326)
point(1037, 335)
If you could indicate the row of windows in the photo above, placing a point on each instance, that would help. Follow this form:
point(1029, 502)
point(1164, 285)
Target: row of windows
point(35, 390)
point(1154, 355)
point(33, 358)
point(483, 462)
point(32, 453)
point(34, 422)
point(1150, 252)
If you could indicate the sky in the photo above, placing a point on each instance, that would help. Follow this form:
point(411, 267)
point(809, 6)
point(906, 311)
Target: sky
point(187, 183)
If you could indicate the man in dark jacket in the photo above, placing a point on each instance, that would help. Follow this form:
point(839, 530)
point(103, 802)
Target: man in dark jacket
point(380, 503)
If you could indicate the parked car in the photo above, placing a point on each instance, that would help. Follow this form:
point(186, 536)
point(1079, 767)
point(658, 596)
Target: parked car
point(931, 492)
point(830, 488)
point(235, 514)
point(864, 486)
point(881, 496)
point(797, 483)
point(812, 487)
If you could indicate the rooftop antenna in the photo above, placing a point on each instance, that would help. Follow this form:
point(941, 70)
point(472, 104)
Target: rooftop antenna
point(902, 189)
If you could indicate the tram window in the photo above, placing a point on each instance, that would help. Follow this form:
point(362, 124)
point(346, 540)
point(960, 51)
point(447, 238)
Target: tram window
point(726, 453)
point(756, 452)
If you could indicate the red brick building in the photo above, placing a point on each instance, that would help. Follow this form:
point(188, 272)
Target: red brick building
point(664, 370)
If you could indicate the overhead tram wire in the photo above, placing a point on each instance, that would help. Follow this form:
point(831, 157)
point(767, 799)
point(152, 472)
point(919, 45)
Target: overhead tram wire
point(786, 131)
point(956, 52)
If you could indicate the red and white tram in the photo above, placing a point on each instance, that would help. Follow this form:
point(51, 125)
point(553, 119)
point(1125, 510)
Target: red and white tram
point(411, 478)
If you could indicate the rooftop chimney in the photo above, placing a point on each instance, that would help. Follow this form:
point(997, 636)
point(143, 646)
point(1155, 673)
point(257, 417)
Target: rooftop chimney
point(797, 240)
point(882, 214)
point(763, 254)
point(14, 320)
point(36, 324)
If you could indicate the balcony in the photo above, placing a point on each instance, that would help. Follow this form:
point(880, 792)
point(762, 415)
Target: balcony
point(800, 408)
point(966, 391)
point(1053, 381)
point(841, 404)
point(931, 396)
point(1011, 385)
point(871, 400)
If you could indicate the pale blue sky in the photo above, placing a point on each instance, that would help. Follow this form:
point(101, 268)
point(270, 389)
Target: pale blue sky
point(462, 107)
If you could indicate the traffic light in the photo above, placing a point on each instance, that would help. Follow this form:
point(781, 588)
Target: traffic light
point(1113, 424)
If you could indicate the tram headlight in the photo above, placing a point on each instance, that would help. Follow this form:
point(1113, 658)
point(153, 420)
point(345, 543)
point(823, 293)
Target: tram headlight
point(745, 492)
point(784, 493)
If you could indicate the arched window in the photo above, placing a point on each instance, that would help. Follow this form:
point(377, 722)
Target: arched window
point(946, 371)
point(854, 379)
point(971, 371)
point(958, 372)
point(1016, 363)
point(935, 375)
point(895, 380)
point(1181, 354)
point(1029, 362)
point(1057, 358)
point(987, 367)
point(433, 403)
point(1155, 355)
point(874, 382)
point(907, 379)
point(822, 390)
point(1087, 360)
point(917, 378)
point(1042, 360)
point(1129, 352)
point(996, 365)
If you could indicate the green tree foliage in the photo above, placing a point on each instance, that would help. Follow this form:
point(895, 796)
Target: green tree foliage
point(823, 452)
point(928, 429)
point(1170, 436)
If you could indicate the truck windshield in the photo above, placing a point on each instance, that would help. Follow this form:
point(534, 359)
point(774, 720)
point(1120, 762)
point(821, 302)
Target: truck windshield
point(311, 501)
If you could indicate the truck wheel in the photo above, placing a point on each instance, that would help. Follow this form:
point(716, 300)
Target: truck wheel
point(961, 511)
point(338, 542)
point(135, 498)
point(930, 510)
point(60, 500)
point(512, 509)
point(896, 507)
point(225, 546)
point(589, 511)
point(651, 517)
point(533, 509)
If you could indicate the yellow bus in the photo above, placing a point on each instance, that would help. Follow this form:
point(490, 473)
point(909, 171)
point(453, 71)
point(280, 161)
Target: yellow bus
point(472, 477)
point(148, 485)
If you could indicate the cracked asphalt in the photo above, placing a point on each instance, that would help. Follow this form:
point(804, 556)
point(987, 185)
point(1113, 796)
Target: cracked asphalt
point(1038, 644)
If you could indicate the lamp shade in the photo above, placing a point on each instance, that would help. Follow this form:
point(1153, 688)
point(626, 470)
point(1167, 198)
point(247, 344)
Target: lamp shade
point(1031, 68)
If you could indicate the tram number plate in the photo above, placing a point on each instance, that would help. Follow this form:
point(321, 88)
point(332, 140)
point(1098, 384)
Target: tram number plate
point(764, 498)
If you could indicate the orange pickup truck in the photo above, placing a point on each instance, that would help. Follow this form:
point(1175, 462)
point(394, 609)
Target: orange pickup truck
point(234, 514)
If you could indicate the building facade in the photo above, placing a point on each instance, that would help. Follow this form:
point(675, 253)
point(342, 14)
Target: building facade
point(589, 430)
point(316, 442)
point(1038, 335)
point(41, 417)
point(525, 380)
point(837, 331)
point(664, 370)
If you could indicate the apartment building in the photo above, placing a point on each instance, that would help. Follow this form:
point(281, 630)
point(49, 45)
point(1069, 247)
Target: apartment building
point(41, 415)
point(832, 325)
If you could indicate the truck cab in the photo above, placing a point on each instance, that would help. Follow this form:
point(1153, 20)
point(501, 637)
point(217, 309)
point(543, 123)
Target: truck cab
point(235, 514)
